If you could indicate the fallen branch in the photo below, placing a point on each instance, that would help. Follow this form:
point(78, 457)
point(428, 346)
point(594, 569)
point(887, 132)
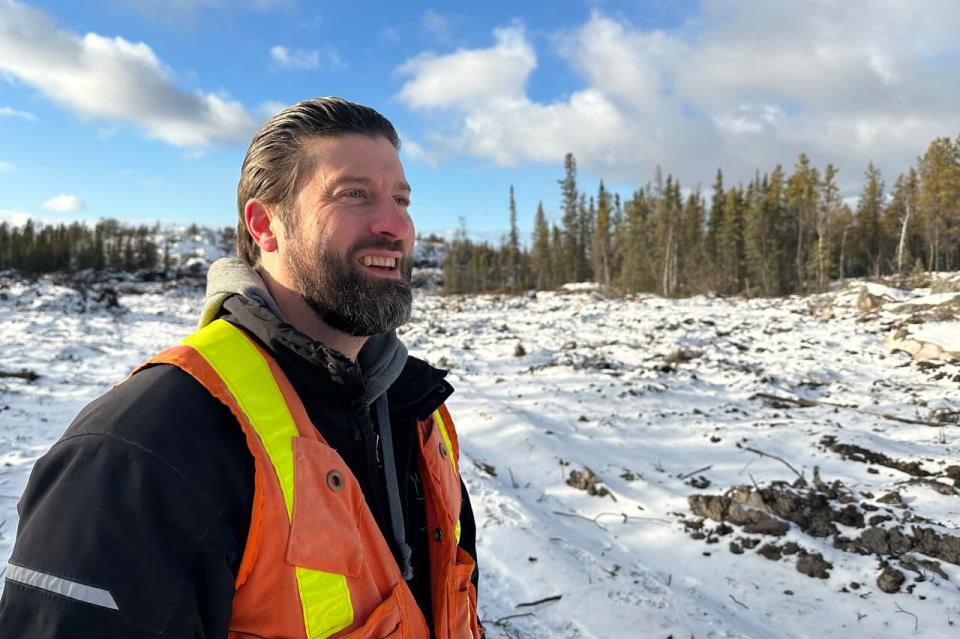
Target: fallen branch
point(779, 459)
point(627, 517)
point(25, 374)
point(916, 620)
point(739, 602)
point(499, 622)
point(579, 516)
point(624, 516)
point(802, 401)
point(810, 403)
point(909, 420)
point(697, 471)
point(549, 599)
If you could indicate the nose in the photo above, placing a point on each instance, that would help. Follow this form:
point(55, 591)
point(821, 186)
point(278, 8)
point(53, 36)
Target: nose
point(393, 221)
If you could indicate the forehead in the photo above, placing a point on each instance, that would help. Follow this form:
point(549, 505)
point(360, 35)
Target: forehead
point(373, 158)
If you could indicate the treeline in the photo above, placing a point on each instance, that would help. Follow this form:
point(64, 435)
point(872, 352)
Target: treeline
point(107, 246)
point(780, 234)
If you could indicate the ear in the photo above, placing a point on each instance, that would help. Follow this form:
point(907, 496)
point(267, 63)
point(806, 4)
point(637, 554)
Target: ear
point(261, 224)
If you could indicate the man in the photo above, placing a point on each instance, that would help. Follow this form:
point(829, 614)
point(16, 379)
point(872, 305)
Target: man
point(287, 471)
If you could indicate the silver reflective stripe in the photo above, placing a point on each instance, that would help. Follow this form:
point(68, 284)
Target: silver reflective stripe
point(61, 586)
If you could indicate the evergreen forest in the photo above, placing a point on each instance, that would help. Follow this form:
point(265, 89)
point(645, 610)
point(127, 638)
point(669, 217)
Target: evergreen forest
point(108, 245)
point(782, 233)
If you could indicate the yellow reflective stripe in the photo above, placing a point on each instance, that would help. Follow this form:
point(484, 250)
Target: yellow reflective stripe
point(453, 462)
point(248, 378)
point(329, 609)
point(446, 439)
point(324, 596)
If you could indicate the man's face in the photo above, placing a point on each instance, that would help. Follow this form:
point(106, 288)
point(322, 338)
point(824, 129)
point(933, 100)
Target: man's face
point(347, 247)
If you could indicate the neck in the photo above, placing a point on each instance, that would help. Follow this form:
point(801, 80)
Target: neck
point(299, 314)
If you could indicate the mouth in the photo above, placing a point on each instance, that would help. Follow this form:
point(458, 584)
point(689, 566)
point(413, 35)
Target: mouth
point(381, 265)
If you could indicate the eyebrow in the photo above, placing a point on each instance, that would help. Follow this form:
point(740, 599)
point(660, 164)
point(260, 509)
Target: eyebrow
point(359, 179)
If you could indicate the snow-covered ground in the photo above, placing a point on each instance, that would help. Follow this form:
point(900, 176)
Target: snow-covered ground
point(660, 399)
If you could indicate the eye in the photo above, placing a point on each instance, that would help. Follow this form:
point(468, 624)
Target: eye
point(355, 194)
point(402, 200)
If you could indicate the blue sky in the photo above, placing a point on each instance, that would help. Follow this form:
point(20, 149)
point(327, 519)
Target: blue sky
point(141, 110)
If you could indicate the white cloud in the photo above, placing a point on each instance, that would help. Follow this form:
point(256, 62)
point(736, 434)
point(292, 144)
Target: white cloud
point(113, 79)
point(744, 85)
point(270, 108)
point(16, 218)
point(306, 59)
point(437, 26)
point(466, 76)
point(6, 167)
point(65, 204)
point(7, 112)
point(415, 151)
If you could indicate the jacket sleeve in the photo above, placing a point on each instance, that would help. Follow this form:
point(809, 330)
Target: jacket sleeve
point(120, 533)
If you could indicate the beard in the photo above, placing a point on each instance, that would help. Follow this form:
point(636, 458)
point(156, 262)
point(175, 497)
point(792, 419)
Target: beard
point(342, 295)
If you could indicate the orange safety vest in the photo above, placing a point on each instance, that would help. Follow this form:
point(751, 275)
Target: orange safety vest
point(316, 564)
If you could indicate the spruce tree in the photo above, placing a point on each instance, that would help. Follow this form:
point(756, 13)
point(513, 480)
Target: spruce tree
point(868, 220)
point(601, 238)
point(570, 220)
point(540, 257)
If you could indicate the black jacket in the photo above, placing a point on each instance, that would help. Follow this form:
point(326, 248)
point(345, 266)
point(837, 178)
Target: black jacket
point(148, 493)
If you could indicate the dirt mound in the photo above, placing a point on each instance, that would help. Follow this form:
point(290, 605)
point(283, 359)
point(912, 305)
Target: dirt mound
point(866, 456)
point(817, 511)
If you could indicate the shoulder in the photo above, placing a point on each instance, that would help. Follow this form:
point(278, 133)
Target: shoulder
point(165, 418)
point(147, 495)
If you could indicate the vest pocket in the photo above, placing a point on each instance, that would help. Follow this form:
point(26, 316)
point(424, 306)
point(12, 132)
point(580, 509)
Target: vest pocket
point(462, 598)
point(385, 622)
point(327, 502)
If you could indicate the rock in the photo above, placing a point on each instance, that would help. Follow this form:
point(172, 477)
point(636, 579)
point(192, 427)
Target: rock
point(681, 355)
point(875, 540)
point(813, 564)
point(892, 498)
point(770, 551)
point(933, 544)
point(890, 580)
point(933, 566)
point(588, 481)
point(519, 351)
point(867, 301)
point(736, 548)
point(791, 548)
point(767, 526)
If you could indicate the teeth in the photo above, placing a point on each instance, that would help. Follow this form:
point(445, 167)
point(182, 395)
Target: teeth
point(376, 260)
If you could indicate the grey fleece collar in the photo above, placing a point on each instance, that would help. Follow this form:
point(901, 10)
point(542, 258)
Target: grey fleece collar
point(381, 359)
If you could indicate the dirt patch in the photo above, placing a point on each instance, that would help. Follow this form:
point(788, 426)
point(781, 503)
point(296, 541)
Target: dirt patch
point(866, 456)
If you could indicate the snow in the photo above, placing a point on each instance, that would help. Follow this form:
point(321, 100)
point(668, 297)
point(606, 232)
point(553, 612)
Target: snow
point(934, 299)
point(649, 393)
point(946, 335)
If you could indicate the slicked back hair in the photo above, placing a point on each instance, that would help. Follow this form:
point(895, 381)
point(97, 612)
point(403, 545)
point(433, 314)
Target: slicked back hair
point(276, 162)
